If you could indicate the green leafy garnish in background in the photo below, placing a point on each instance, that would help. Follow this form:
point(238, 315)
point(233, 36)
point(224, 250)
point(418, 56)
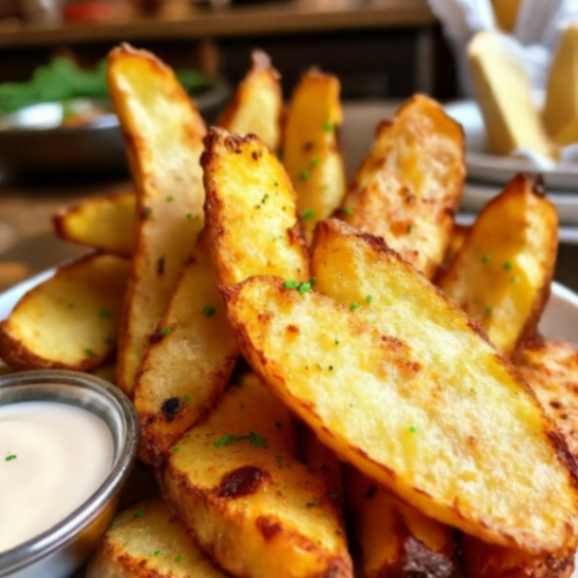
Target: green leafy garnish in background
point(61, 80)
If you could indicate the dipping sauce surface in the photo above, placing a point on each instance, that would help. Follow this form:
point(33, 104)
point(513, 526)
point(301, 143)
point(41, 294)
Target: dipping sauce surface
point(53, 456)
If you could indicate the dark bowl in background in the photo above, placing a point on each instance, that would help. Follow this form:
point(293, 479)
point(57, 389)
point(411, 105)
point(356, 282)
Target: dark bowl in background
point(33, 147)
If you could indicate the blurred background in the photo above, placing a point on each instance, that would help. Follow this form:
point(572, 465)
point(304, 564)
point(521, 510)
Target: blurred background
point(59, 141)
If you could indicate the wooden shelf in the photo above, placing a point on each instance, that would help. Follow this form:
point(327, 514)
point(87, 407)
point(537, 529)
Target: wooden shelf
point(186, 21)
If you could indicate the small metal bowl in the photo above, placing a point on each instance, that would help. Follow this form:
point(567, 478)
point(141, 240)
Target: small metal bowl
point(59, 551)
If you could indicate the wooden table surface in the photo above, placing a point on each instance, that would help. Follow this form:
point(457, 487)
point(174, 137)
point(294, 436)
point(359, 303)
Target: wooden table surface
point(185, 20)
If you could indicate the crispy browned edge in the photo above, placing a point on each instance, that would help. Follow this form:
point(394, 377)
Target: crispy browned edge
point(337, 566)
point(555, 439)
point(536, 185)
point(17, 356)
point(59, 222)
point(132, 145)
point(260, 61)
point(213, 205)
point(149, 450)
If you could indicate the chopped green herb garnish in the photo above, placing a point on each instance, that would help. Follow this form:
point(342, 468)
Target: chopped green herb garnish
point(290, 284)
point(88, 352)
point(328, 126)
point(304, 175)
point(105, 314)
point(276, 183)
point(164, 331)
point(346, 211)
point(229, 439)
point(169, 198)
point(157, 553)
point(175, 450)
point(354, 306)
point(313, 163)
point(507, 265)
point(336, 341)
point(304, 287)
point(10, 458)
point(187, 398)
point(138, 514)
point(369, 299)
point(209, 310)
point(179, 558)
point(189, 216)
point(412, 429)
point(485, 259)
point(308, 214)
point(487, 310)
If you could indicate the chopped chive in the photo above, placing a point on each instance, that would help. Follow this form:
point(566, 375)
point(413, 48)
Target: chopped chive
point(487, 310)
point(178, 558)
point(354, 306)
point(346, 211)
point(138, 514)
point(328, 126)
point(486, 259)
point(369, 299)
point(209, 310)
point(164, 331)
point(253, 438)
point(257, 441)
point(308, 214)
point(169, 198)
point(290, 284)
point(88, 352)
point(10, 458)
point(157, 553)
point(304, 175)
point(336, 341)
point(313, 163)
point(187, 398)
point(304, 287)
point(412, 429)
point(507, 266)
point(225, 441)
point(175, 450)
point(189, 216)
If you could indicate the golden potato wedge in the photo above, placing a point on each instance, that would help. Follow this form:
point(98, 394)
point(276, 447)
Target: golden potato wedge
point(257, 107)
point(189, 361)
point(250, 504)
point(148, 541)
point(501, 275)
point(251, 215)
point(457, 239)
point(311, 149)
point(395, 539)
point(408, 188)
point(426, 407)
point(106, 223)
point(490, 561)
point(551, 370)
point(163, 132)
point(70, 320)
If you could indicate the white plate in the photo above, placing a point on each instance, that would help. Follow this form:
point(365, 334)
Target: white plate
point(499, 170)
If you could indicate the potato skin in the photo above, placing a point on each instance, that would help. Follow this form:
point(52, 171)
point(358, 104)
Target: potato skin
point(70, 320)
point(163, 132)
point(257, 106)
point(147, 541)
point(411, 183)
point(501, 275)
point(105, 223)
point(250, 504)
point(285, 336)
point(483, 560)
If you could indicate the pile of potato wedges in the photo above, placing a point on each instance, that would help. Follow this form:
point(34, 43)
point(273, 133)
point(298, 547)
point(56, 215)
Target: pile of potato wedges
point(331, 380)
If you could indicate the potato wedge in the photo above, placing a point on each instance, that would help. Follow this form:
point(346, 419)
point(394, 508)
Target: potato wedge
point(426, 408)
point(250, 504)
point(311, 149)
point(189, 361)
point(551, 370)
point(70, 320)
point(148, 541)
point(106, 223)
point(396, 539)
point(164, 132)
point(501, 276)
point(408, 188)
point(251, 215)
point(257, 107)
point(489, 561)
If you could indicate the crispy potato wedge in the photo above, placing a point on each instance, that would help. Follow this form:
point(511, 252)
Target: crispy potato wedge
point(408, 188)
point(457, 240)
point(163, 132)
point(483, 560)
point(106, 223)
point(501, 276)
point(311, 151)
point(551, 370)
point(257, 107)
point(251, 215)
point(250, 504)
point(395, 539)
point(70, 320)
point(148, 541)
point(426, 407)
point(189, 361)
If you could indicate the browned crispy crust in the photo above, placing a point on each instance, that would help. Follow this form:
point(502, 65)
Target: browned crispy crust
point(15, 353)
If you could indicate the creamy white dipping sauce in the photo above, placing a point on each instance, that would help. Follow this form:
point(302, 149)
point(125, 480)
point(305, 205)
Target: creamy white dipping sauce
point(53, 456)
